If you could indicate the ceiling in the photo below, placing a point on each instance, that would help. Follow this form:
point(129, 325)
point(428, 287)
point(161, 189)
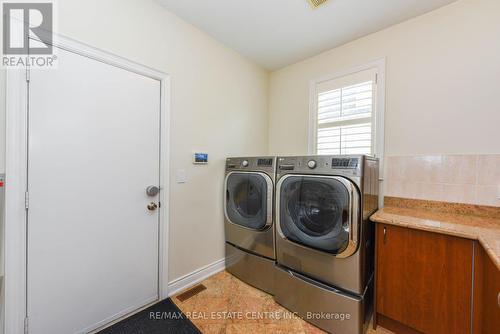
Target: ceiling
point(276, 33)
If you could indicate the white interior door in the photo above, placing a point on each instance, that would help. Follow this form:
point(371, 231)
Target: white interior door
point(94, 147)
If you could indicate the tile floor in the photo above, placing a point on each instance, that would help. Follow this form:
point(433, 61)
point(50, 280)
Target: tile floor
point(251, 310)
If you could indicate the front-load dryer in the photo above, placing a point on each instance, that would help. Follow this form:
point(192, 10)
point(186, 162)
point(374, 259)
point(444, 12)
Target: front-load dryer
point(324, 240)
point(249, 220)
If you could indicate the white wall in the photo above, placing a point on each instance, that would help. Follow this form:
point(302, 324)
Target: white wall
point(443, 83)
point(219, 106)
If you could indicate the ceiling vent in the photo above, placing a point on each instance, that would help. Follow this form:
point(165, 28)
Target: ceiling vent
point(316, 3)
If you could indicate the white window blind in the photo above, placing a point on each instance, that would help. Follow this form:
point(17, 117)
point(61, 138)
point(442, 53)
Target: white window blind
point(345, 114)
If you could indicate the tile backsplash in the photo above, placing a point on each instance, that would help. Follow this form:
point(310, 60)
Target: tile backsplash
point(471, 179)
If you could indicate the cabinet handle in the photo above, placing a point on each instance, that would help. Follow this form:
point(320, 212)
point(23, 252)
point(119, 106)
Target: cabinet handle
point(498, 299)
point(385, 239)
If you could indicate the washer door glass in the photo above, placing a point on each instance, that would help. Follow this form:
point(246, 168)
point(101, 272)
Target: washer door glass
point(246, 200)
point(314, 212)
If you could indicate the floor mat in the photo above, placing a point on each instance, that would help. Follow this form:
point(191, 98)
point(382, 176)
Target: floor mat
point(161, 318)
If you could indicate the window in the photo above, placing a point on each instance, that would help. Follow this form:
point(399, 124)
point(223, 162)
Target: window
point(344, 113)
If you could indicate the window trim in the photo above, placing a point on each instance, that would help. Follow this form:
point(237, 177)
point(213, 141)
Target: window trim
point(378, 116)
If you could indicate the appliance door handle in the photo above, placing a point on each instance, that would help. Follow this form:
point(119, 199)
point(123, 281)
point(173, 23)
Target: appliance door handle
point(353, 219)
point(287, 167)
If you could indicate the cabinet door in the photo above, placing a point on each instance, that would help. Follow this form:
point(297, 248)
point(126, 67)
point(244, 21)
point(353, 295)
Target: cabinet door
point(424, 279)
point(486, 293)
point(491, 297)
point(390, 276)
point(439, 278)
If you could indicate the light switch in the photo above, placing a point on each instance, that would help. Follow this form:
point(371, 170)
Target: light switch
point(182, 176)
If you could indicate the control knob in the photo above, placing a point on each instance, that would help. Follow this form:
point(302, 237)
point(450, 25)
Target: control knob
point(311, 164)
point(244, 163)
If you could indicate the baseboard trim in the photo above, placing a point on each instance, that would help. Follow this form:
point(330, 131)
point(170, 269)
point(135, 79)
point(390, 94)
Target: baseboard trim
point(195, 277)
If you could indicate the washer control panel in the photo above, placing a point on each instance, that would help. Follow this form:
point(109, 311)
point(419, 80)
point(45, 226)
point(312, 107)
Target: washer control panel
point(252, 164)
point(322, 164)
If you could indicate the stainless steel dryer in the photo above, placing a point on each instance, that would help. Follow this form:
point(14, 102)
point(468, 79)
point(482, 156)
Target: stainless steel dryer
point(324, 241)
point(249, 220)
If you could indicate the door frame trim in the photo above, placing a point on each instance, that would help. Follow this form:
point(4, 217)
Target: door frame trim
point(16, 178)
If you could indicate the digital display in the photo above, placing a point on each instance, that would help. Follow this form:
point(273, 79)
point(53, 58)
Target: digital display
point(345, 163)
point(265, 162)
point(200, 158)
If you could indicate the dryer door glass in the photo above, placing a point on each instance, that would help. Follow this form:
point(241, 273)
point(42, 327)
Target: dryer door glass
point(247, 200)
point(314, 212)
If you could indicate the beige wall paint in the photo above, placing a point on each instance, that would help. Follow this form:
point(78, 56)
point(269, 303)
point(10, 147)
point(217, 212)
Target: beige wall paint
point(442, 95)
point(219, 106)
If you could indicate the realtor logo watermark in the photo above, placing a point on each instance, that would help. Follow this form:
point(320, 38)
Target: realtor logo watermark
point(27, 34)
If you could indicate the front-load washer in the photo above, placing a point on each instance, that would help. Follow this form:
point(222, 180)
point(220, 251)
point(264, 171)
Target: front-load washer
point(249, 220)
point(324, 240)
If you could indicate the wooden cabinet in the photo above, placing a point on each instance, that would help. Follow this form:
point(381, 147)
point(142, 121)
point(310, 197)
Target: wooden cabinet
point(486, 294)
point(390, 279)
point(423, 281)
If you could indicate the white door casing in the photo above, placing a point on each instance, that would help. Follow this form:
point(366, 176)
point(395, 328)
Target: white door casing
point(83, 154)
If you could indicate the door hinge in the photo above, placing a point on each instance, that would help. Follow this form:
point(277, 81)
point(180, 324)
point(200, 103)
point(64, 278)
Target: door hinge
point(26, 200)
point(26, 325)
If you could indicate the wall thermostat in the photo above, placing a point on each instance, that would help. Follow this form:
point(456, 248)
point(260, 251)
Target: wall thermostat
point(200, 158)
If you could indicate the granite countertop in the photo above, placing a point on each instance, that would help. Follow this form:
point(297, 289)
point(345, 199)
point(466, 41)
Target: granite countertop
point(452, 219)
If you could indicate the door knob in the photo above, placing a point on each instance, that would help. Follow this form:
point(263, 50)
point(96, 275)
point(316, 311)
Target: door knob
point(152, 191)
point(152, 206)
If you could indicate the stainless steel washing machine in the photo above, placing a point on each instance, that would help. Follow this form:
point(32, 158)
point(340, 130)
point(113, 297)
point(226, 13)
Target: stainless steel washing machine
point(249, 220)
point(324, 240)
